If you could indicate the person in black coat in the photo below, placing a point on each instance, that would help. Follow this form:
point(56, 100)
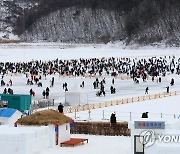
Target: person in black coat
point(167, 89)
point(145, 115)
point(113, 118)
point(47, 89)
point(47, 94)
point(44, 94)
point(60, 108)
point(146, 90)
point(5, 91)
point(172, 82)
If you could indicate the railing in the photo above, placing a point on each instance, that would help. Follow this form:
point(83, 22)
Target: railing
point(44, 103)
point(104, 115)
point(72, 109)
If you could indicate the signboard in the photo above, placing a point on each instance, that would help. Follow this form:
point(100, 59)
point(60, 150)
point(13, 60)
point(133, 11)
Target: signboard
point(149, 124)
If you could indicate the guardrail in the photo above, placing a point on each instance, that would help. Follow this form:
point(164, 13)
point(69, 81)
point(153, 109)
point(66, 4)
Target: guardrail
point(42, 104)
point(104, 115)
point(72, 109)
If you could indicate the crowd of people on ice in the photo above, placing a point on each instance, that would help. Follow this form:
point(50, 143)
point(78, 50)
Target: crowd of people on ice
point(133, 67)
point(103, 66)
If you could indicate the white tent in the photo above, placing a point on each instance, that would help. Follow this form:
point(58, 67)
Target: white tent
point(76, 96)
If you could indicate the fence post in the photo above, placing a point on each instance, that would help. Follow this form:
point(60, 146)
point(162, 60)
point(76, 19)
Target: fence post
point(70, 109)
point(132, 100)
point(53, 102)
point(111, 103)
point(149, 97)
point(130, 116)
point(174, 116)
point(93, 106)
point(117, 102)
point(83, 107)
point(161, 115)
point(175, 93)
point(75, 113)
point(89, 114)
point(138, 99)
point(88, 107)
point(122, 101)
point(155, 96)
point(103, 115)
point(164, 94)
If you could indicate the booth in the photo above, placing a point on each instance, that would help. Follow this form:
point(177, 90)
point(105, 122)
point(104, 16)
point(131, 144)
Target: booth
point(17, 101)
point(76, 96)
point(155, 136)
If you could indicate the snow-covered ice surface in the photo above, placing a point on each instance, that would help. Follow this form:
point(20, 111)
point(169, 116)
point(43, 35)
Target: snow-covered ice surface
point(27, 52)
point(96, 145)
point(168, 106)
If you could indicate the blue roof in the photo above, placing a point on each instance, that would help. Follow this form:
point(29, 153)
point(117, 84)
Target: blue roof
point(7, 112)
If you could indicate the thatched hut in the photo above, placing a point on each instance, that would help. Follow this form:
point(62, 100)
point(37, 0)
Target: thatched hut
point(59, 123)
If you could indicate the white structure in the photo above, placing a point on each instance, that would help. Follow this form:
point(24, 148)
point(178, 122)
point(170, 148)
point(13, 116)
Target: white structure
point(9, 116)
point(157, 139)
point(63, 134)
point(58, 124)
point(24, 140)
point(76, 96)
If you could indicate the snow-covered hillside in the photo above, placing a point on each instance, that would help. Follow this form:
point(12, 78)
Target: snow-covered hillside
point(141, 22)
point(10, 10)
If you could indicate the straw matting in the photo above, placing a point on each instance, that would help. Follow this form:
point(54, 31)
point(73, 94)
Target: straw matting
point(44, 118)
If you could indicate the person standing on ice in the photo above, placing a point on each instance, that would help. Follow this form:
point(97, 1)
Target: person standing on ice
point(60, 108)
point(47, 94)
point(5, 91)
point(167, 89)
point(83, 84)
point(52, 82)
point(113, 81)
point(30, 91)
point(10, 82)
point(146, 90)
point(172, 82)
point(44, 94)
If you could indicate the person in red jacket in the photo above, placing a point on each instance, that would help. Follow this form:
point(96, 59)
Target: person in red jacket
point(10, 82)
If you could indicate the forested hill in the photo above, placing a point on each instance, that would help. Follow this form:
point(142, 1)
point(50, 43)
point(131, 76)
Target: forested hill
point(93, 21)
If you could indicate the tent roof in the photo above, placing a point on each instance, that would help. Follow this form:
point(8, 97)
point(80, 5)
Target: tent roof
point(77, 89)
point(7, 112)
point(44, 118)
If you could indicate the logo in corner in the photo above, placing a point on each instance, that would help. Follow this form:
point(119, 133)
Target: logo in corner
point(148, 138)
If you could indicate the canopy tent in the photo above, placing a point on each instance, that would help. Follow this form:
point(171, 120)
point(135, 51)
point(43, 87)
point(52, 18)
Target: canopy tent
point(76, 96)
